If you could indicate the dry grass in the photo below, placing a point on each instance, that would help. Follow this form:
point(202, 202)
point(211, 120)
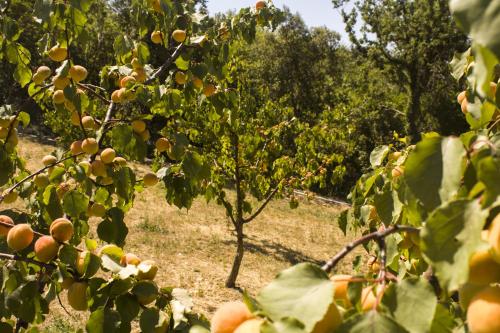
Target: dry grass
point(194, 248)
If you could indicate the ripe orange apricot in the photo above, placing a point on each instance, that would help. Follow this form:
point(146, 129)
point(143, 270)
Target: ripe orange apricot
point(20, 237)
point(76, 148)
point(46, 248)
point(78, 73)
point(229, 316)
point(484, 311)
point(197, 82)
point(483, 269)
point(341, 282)
point(61, 229)
point(464, 106)
point(126, 81)
point(3, 229)
point(130, 259)
point(58, 53)
point(77, 296)
point(461, 97)
point(397, 172)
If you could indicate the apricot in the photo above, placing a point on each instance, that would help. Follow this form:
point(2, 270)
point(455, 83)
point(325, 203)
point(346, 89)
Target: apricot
point(117, 95)
point(395, 156)
point(179, 36)
point(139, 74)
point(41, 180)
point(397, 172)
point(369, 297)
point(150, 179)
point(88, 122)
point(75, 118)
point(80, 262)
point(46, 248)
point(341, 283)
point(90, 146)
point(3, 229)
point(483, 269)
point(157, 37)
point(135, 63)
point(44, 72)
point(58, 53)
point(97, 210)
point(147, 270)
point(229, 316)
point(76, 147)
point(464, 106)
point(145, 135)
point(209, 90)
point(70, 107)
point(138, 126)
point(466, 292)
point(77, 296)
point(180, 77)
point(49, 160)
point(493, 88)
point(197, 82)
point(250, 326)
point(483, 312)
point(130, 259)
point(162, 145)
point(20, 237)
point(494, 238)
point(61, 229)
point(9, 197)
point(330, 322)
point(126, 81)
point(99, 169)
point(461, 97)
point(67, 282)
point(106, 181)
point(4, 131)
point(86, 166)
point(78, 73)
point(108, 155)
point(37, 79)
point(260, 4)
point(60, 82)
point(58, 97)
point(120, 161)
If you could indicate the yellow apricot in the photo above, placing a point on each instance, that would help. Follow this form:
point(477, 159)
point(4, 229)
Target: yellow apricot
point(341, 283)
point(179, 35)
point(75, 118)
point(180, 77)
point(44, 72)
point(67, 282)
point(41, 180)
point(156, 6)
point(229, 316)
point(126, 81)
point(397, 172)
point(78, 73)
point(483, 269)
point(145, 135)
point(197, 82)
point(138, 126)
point(120, 161)
point(87, 167)
point(483, 312)
point(90, 146)
point(98, 169)
point(108, 155)
point(494, 238)
point(77, 296)
point(49, 160)
point(4, 230)
point(46, 248)
point(76, 148)
point(60, 82)
point(20, 237)
point(157, 37)
point(130, 259)
point(58, 53)
point(150, 179)
point(117, 95)
point(369, 297)
point(162, 145)
point(88, 122)
point(58, 97)
point(61, 229)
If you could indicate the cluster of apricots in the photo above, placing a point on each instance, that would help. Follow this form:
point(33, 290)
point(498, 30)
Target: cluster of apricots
point(480, 296)
point(462, 98)
point(46, 249)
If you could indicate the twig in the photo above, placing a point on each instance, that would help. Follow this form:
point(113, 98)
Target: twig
point(7, 225)
point(12, 188)
point(16, 257)
point(330, 264)
point(163, 68)
point(88, 88)
point(264, 204)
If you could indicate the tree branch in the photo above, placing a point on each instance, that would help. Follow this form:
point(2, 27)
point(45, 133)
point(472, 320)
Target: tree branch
point(16, 257)
point(263, 205)
point(330, 264)
point(163, 68)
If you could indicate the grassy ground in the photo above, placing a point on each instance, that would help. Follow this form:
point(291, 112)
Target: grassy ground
point(194, 248)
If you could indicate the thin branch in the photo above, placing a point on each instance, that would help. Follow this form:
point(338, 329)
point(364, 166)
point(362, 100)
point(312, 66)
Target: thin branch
point(330, 264)
point(25, 179)
point(16, 257)
point(7, 225)
point(229, 209)
point(263, 206)
point(88, 88)
point(163, 68)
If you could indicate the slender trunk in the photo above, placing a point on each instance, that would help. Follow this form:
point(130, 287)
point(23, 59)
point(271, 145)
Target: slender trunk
point(413, 112)
point(231, 280)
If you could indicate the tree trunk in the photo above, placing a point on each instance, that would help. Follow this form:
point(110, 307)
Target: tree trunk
point(413, 112)
point(231, 280)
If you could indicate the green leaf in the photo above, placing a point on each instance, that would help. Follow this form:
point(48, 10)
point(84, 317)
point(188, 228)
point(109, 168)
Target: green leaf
point(443, 320)
point(287, 325)
point(481, 19)
point(434, 170)
point(378, 155)
point(22, 74)
point(412, 304)
point(450, 236)
point(489, 173)
point(103, 320)
point(128, 307)
point(303, 292)
point(371, 322)
point(75, 203)
point(113, 229)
